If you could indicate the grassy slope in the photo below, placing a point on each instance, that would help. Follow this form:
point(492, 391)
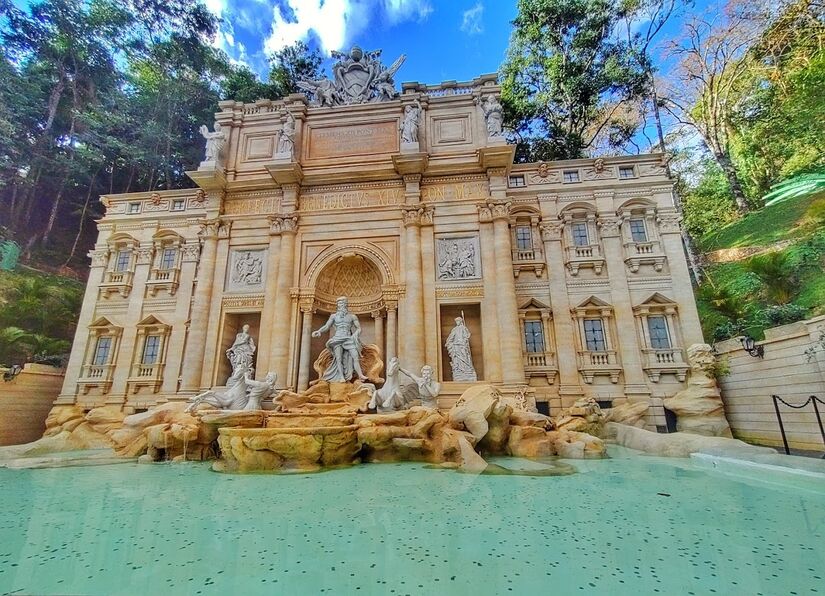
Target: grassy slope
point(769, 225)
point(764, 227)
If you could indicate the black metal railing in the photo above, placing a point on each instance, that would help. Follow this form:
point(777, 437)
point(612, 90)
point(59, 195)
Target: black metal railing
point(813, 399)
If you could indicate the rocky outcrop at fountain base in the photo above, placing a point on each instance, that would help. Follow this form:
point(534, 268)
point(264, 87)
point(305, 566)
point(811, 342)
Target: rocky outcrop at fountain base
point(324, 435)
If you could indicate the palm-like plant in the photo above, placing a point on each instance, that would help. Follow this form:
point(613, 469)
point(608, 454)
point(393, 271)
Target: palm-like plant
point(11, 339)
point(777, 276)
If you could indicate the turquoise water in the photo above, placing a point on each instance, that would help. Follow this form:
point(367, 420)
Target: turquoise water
point(404, 529)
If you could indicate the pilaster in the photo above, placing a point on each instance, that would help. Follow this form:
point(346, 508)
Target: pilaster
point(670, 234)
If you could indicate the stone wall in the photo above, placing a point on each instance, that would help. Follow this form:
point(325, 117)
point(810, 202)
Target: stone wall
point(25, 401)
point(787, 371)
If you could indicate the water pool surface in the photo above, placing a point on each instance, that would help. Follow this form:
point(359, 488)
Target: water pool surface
point(627, 525)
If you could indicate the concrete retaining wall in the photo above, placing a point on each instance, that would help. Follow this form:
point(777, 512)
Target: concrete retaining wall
point(786, 371)
point(25, 402)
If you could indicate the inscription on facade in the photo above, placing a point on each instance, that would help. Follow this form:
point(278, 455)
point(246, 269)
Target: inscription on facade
point(379, 197)
point(252, 206)
point(358, 139)
point(454, 192)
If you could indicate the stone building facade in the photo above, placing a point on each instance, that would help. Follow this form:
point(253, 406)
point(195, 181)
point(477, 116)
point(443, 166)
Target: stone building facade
point(570, 275)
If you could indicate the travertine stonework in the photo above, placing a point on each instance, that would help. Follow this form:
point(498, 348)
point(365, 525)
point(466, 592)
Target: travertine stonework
point(571, 276)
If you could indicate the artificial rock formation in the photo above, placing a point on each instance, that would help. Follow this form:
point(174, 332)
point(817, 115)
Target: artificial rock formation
point(699, 408)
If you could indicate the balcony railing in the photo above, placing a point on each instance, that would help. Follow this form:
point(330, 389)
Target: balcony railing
point(96, 375)
point(526, 259)
point(588, 255)
point(540, 364)
point(644, 253)
point(595, 363)
point(117, 281)
point(163, 279)
point(659, 361)
point(146, 375)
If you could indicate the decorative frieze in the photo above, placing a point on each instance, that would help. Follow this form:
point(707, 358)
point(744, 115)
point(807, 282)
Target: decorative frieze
point(458, 258)
point(239, 302)
point(609, 226)
point(98, 257)
point(551, 229)
point(246, 270)
point(669, 223)
point(460, 292)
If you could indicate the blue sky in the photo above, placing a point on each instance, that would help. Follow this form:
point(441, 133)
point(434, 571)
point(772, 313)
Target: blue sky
point(443, 39)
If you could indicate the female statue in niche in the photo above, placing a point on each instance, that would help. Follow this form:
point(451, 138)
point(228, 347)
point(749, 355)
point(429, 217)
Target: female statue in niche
point(241, 352)
point(458, 346)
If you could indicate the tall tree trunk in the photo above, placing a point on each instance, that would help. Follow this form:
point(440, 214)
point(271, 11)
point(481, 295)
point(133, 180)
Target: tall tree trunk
point(725, 162)
point(82, 218)
point(687, 240)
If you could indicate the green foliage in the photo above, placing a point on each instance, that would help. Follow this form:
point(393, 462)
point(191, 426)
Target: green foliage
point(107, 96)
point(708, 204)
point(565, 72)
point(778, 277)
point(38, 315)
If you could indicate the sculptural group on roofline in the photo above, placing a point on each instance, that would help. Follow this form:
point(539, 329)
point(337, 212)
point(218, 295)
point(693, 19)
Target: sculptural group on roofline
point(358, 77)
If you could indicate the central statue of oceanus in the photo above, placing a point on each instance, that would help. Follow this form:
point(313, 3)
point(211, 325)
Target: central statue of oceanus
point(358, 77)
point(344, 345)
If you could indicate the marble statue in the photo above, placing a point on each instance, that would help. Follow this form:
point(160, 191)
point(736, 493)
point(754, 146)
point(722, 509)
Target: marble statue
point(241, 352)
point(242, 393)
point(322, 89)
point(286, 140)
point(248, 269)
point(214, 142)
point(392, 396)
point(458, 346)
point(428, 388)
point(344, 345)
point(358, 77)
point(493, 116)
point(410, 123)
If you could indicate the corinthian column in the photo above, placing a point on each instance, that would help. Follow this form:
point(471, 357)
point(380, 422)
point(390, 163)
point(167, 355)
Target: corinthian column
point(268, 310)
point(512, 364)
point(279, 342)
point(414, 344)
point(391, 326)
point(199, 321)
point(306, 343)
point(627, 340)
point(565, 348)
point(378, 321)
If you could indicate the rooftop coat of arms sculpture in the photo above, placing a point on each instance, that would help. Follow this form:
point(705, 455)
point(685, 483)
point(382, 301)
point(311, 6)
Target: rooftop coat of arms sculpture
point(358, 77)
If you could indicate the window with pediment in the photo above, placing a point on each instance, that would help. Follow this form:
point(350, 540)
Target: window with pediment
point(657, 323)
point(581, 239)
point(597, 355)
point(99, 364)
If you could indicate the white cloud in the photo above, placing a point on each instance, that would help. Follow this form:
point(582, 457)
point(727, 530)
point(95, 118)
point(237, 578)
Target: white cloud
point(337, 23)
point(471, 20)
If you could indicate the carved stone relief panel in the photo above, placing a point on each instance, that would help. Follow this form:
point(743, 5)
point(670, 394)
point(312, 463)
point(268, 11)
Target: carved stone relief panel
point(458, 258)
point(246, 271)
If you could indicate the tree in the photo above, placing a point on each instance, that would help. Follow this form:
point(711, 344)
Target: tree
point(567, 75)
point(704, 90)
point(292, 64)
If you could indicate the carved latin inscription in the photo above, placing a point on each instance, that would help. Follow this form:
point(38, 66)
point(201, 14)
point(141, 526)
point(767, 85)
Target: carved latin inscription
point(379, 197)
point(358, 139)
point(252, 206)
point(454, 192)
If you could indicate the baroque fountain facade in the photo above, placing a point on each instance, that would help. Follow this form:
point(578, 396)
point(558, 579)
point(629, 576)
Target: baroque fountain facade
point(363, 274)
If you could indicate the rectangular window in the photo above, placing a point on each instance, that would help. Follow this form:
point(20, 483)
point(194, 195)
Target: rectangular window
point(533, 336)
point(124, 257)
point(659, 337)
point(637, 230)
point(516, 181)
point(134, 208)
point(104, 345)
point(151, 349)
point(167, 258)
point(594, 335)
point(626, 172)
point(524, 238)
point(571, 176)
point(178, 205)
point(580, 236)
